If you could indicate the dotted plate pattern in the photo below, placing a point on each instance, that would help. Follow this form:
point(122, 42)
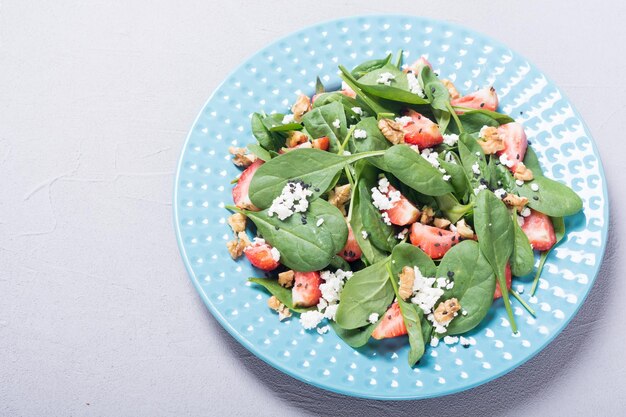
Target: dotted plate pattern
point(270, 81)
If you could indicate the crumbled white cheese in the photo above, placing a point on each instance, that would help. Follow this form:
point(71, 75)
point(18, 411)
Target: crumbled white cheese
point(364, 234)
point(404, 120)
point(431, 157)
point(382, 198)
point(534, 187)
point(464, 312)
point(275, 254)
point(446, 177)
point(357, 110)
point(359, 134)
point(476, 168)
point(320, 221)
point(373, 318)
point(450, 158)
point(504, 160)
point(310, 319)
point(347, 153)
point(525, 212)
point(386, 218)
point(287, 119)
point(520, 221)
point(480, 188)
point(414, 85)
point(336, 123)
point(385, 78)
point(477, 153)
point(450, 139)
point(434, 341)
point(500, 193)
point(331, 311)
point(424, 294)
point(519, 182)
point(323, 329)
point(402, 234)
point(293, 199)
point(450, 340)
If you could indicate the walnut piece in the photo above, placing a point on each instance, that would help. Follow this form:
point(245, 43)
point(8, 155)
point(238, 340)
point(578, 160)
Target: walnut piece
point(391, 130)
point(237, 222)
point(515, 201)
point(241, 157)
point(446, 311)
point(235, 248)
point(441, 223)
point(427, 215)
point(300, 107)
point(282, 310)
point(339, 197)
point(295, 138)
point(454, 93)
point(407, 277)
point(285, 279)
point(464, 229)
point(522, 172)
point(492, 142)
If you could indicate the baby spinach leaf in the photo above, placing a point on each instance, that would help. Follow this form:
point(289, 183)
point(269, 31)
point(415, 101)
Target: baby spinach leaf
point(368, 66)
point(397, 91)
point(259, 151)
point(495, 239)
point(405, 254)
point(474, 284)
point(531, 161)
point(319, 122)
point(304, 246)
point(523, 259)
point(354, 337)
point(412, 316)
point(319, 86)
point(458, 176)
point(471, 153)
point(474, 120)
point(348, 103)
point(283, 294)
point(436, 92)
point(371, 253)
point(374, 140)
point(373, 103)
point(288, 127)
point(552, 198)
point(337, 262)
point(451, 208)
point(413, 170)
point(271, 141)
point(368, 291)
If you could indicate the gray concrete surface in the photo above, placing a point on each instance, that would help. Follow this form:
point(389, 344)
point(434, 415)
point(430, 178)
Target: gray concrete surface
point(97, 315)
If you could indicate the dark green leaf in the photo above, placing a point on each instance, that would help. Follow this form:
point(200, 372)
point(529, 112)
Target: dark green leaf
point(523, 258)
point(368, 66)
point(552, 198)
point(259, 151)
point(288, 127)
point(272, 141)
point(354, 337)
point(474, 120)
point(397, 91)
point(371, 254)
point(319, 122)
point(434, 89)
point(532, 162)
point(451, 208)
point(319, 86)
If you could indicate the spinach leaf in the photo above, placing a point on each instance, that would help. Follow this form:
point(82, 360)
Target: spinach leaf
point(474, 120)
point(319, 122)
point(283, 294)
point(368, 291)
point(471, 153)
point(451, 208)
point(368, 66)
point(259, 151)
point(531, 161)
point(405, 254)
point(434, 89)
point(337, 262)
point(375, 104)
point(474, 284)
point(412, 316)
point(304, 246)
point(354, 337)
point(495, 239)
point(559, 232)
point(552, 198)
point(348, 103)
point(319, 86)
point(272, 141)
point(522, 259)
point(374, 141)
point(371, 253)
point(288, 127)
point(397, 91)
point(413, 170)
point(458, 176)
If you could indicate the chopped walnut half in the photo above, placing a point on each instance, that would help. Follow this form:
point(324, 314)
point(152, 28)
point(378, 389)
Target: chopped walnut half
point(492, 142)
point(441, 223)
point(282, 310)
point(447, 310)
point(241, 157)
point(407, 277)
point(295, 138)
point(391, 130)
point(515, 201)
point(454, 93)
point(237, 222)
point(301, 106)
point(522, 172)
point(243, 237)
point(235, 248)
point(285, 279)
point(339, 197)
point(464, 230)
point(427, 215)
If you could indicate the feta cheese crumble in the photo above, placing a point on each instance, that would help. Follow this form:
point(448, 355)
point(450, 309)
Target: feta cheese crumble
point(480, 188)
point(506, 161)
point(386, 219)
point(476, 168)
point(364, 234)
point(310, 319)
point(382, 198)
point(320, 221)
point(402, 234)
point(450, 340)
point(275, 254)
point(519, 182)
point(427, 290)
point(336, 123)
point(450, 139)
point(373, 318)
point(431, 157)
point(500, 193)
point(359, 134)
point(446, 177)
point(525, 212)
point(287, 119)
point(434, 341)
point(404, 120)
point(414, 85)
point(357, 110)
point(293, 199)
point(385, 78)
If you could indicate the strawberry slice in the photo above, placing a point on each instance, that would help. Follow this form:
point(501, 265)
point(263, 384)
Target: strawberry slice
point(260, 255)
point(435, 242)
point(306, 289)
point(403, 212)
point(240, 190)
point(391, 325)
point(539, 230)
point(321, 143)
point(351, 252)
point(515, 143)
point(498, 293)
point(417, 66)
point(484, 99)
point(421, 131)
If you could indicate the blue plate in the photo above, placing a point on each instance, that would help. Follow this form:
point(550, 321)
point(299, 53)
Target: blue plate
point(270, 81)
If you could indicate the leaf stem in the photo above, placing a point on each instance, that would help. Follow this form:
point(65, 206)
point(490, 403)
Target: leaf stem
point(235, 208)
point(455, 117)
point(522, 302)
point(399, 59)
point(345, 141)
point(352, 191)
point(542, 261)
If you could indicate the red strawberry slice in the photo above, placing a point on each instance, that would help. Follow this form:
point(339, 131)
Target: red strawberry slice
point(403, 212)
point(306, 289)
point(351, 252)
point(260, 255)
point(240, 190)
point(421, 131)
point(515, 143)
point(391, 325)
point(484, 99)
point(435, 242)
point(417, 66)
point(498, 293)
point(321, 143)
point(539, 230)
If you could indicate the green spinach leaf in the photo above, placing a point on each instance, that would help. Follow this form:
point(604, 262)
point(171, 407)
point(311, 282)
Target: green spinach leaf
point(320, 121)
point(272, 141)
point(368, 66)
point(552, 198)
point(451, 208)
point(259, 151)
point(283, 294)
point(354, 337)
point(523, 258)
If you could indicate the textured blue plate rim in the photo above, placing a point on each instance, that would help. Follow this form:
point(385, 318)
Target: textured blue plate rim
point(276, 365)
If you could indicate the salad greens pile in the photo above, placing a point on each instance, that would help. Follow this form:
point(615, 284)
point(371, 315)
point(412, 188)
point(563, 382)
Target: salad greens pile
point(455, 179)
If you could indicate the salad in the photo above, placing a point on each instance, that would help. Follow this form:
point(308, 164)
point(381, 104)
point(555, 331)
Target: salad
point(394, 206)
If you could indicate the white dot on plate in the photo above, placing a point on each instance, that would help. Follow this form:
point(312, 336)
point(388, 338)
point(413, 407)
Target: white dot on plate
point(479, 354)
point(394, 370)
point(489, 333)
point(525, 343)
point(543, 330)
point(507, 356)
point(486, 365)
point(326, 372)
point(437, 367)
point(373, 369)
point(394, 384)
point(372, 381)
point(499, 344)
point(419, 383)
point(458, 361)
point(464, 375)
point(441, 380)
